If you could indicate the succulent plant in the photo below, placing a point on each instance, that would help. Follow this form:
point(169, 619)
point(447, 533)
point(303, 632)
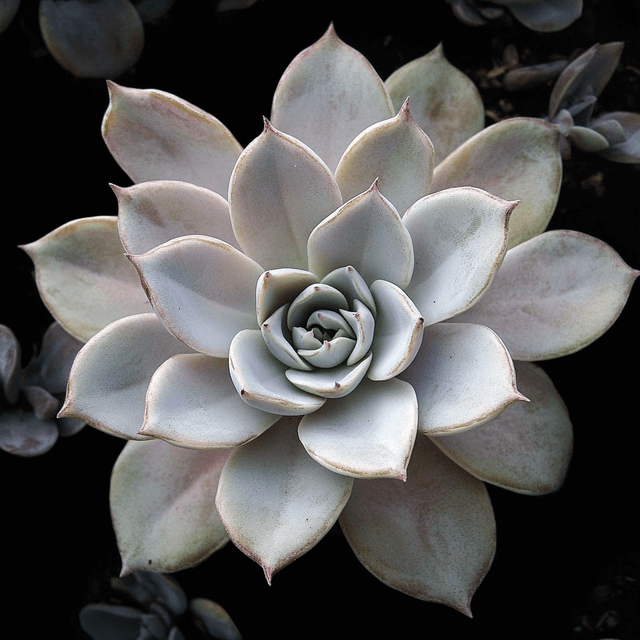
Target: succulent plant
point(615, 135)
point(327, 324)
point(159, 611)
point(539, 15)
point(32, 396)
point(92, 38)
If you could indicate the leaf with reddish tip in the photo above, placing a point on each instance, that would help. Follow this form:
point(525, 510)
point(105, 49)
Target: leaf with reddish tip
point(368, 434)
point(280, 190)
point(444, 101)
point(432, 538)
point(527, 447)
point(152, 213)
point(203, 289)
point(459, 238)
point(109, 377)
point(328, 95)
point(516, 159)
point(368, 234)
point(275, 501)
point(397, 152)
point(154, 135)
point(84, 278)
point(463, 376)
point(554, 294)
point(191, 402)
point(162, 505)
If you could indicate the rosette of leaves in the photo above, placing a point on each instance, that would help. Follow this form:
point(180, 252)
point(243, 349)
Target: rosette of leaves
point(615, 135)
point(538, 15)
point(154, 607)
point(32, 397)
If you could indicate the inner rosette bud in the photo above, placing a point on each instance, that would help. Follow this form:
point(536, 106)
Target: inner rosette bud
point(325, 334)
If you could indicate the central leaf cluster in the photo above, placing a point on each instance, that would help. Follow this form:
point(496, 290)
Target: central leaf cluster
point(326, 330)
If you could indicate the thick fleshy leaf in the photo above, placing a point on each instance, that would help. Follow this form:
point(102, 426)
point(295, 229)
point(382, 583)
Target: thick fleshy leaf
point(399, 329)
point(516, 159)
point(260, 378)
point(587, 140)
point(586, 76)
point(10, 362)
point(629, 150)
point(211, 615)
point(459, 238)
point(432, 537)
point(191, 402)
point(336, 382)
point(153, 212)
point(444, 101)
point(327, 96)
point(50, 370)
point(526, 448)
point(8, 10)
point(44, 405)
point(109, 378)
point(363, 326)
point(547, 16)
point(368, 434)
point(275, 501)
point(23, 434)
point(554, 295)
point(352, 285)
point(274, 333)
point(203, 289)
point(97, 39)
point(397, 152)
point(463, 376)
point(277, 287)
point(280, 190)
point(367, 233)
point(154, 135)
point(162, 505)
point(317, 296)
point(83, 277)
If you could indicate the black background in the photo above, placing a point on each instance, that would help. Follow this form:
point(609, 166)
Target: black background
point(567, 565)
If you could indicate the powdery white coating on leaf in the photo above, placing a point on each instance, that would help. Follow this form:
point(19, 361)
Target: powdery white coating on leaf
point(463, 376)
point(154, 212)
point(398, 334)
point(162, 505)
point(554, 295)
point(83, 277)
point(370, 434)
point(547, 16)
point(516, 159)
point(191, 402)
point(527, 448)
point(275, 501)
point(278, 287)
point(432, 538)
point(397, 153)
point(459, 237)
point(444, 101)
point(260, 378)
point(109, 377)
point(367, 233)
point(280, 190)
point(154, 135)
point(202, 288)
point(327, 96)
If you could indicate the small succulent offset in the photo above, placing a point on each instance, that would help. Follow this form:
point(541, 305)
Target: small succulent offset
point(329, 324)
point(159, 610)
point(538, 15)
point(92, 38)
point(615, 136)
point(32, 396)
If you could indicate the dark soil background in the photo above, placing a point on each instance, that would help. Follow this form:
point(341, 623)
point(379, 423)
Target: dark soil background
point(567, 565)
